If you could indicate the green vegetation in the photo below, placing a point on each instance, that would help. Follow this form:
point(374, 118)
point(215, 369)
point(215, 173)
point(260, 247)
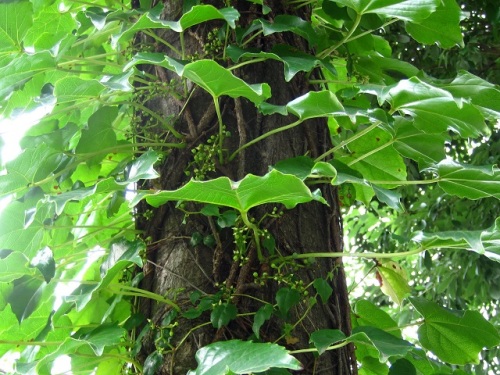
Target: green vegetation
point(413, 156)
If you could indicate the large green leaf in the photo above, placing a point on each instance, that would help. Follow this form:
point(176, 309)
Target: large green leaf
point(209, 75)
point(441, 27)
point(14, 266)
point(294, 24)
point(15, 22)
point(485, 242)
point(468, 181)
point(375, 158)
point(99, 134)
point(50, 27)
point(435, 110)
point(293, 61)
point(196, 15)
point(21, 228)
point(21, 68)
point(251, 191)
point(484, 95)
point(96, 340)
point(242, 357)
point(407, 10)
point(426, 149)
point(72, 88)
point(455, 337)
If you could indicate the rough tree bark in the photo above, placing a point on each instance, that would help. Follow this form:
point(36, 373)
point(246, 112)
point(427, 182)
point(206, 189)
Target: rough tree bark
point(174, 267)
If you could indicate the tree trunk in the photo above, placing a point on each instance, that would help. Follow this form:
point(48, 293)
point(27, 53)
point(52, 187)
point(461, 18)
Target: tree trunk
point(175, 268)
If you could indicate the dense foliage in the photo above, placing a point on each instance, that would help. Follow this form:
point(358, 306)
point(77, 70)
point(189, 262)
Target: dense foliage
point(413, 148)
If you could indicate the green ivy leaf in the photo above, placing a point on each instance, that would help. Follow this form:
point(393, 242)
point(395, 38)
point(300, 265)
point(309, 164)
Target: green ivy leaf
point(209, 75)
point(242, 357)
point(222, 314)
point(50, 27)
point(402, 367)
point(455, 337)
point(70, 89)
point(407, 10)
point(286, 298)
point(153, 363)
point(324, 338)
point(386, 344)
point(262, 314)
point(323, 288)
point(251, 191)
point(30, 167)
point(441, 27)
point(99, 135)
point(315, 104)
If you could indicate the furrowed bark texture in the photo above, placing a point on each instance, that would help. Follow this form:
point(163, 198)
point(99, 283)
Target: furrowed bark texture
point(176, 269)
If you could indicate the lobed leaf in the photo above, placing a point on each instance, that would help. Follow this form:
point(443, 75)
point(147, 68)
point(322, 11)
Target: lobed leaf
point(435, 110)
point(242, 357)
point(407, 10)
point(251, 191)
point(485, 242)
point(441, 27)
point(209, 75)
point(197, 14)
point(293, 61)
point(468, 181)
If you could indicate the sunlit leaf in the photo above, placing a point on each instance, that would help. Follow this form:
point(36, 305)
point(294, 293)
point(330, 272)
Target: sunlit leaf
point(251, 191)
point(393, 280)
point(242, 357)
point(14, 266)
point(15, 22)
point(286, 298)
point(367, 314)
point(454, 336)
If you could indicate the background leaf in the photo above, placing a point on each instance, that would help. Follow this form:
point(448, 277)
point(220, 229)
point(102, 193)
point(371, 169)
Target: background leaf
point(455, 337)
